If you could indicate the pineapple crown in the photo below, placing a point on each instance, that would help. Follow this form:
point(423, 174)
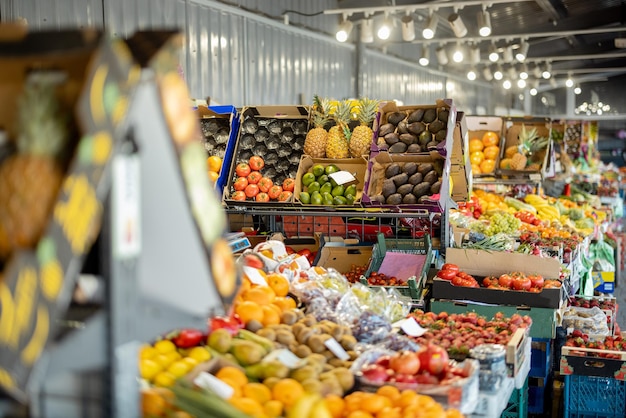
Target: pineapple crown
point(43, 124)
point(367, 109)
point(342, 116)
point(320, 111)
point(530, 141)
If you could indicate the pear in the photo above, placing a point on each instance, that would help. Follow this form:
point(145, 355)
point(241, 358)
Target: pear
point(220, 340)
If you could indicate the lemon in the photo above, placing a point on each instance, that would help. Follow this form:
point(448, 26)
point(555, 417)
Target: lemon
point(164, 379)
point(164, 346)
point(179, 368)
point(147, 351)
point(200, 353)
point(148, 369)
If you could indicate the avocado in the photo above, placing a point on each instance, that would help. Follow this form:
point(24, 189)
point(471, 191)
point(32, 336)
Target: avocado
point(443, 114)
point(326, 188)
point(424, 199)
point(339, 190)
point(400, 147)
point(351, 189)
point(305, 198)
point(424, 138)
point(409, 168)
point(405, 189)
point(400, 179)
point(434, 189)
point(322, 179)
point(409, 199)
point(327, 199)
point(392, 138)
point(416, 178)
point(389, 188)
point(424, 168)
point(421, 189)
point(416, 128)
point(414, 149)
point(441, 135)
point(436, 126)
point(408, 139)
point(403, 128)
point(340, 200)
point(396, 117)
point(331, 168)
point(385, 129)
point(378, 198)
point(392, 170)
point(416, 116)
point(429, 115)
point(431, 177)
point(432, 145)
point(394, 199)
point(316, 198)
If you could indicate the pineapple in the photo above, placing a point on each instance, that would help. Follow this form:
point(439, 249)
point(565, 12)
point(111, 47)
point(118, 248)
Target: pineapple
point(530, 142)
point(339, 135)
point(361, 138)
point(31, 178)
point(316, 138)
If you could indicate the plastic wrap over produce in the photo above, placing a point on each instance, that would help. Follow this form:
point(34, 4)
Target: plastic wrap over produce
point(590, 321)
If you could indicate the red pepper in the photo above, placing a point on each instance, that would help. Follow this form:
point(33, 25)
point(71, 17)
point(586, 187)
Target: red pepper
point(232, 324)
point(187, 338)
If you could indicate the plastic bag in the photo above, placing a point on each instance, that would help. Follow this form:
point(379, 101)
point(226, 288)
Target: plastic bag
point(590, 321)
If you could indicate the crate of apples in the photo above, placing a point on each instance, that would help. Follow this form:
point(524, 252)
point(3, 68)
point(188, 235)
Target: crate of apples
point(251, 185)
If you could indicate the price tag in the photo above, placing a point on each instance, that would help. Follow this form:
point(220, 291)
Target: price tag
point(286, 357)
point(342, 177)
point(412, 328)
point(254, 276)
point(208, 381)
point(336, 349)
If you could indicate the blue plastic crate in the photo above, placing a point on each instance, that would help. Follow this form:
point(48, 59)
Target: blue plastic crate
point(540, 356)
point(594, 397)
point(536, 398)
point(518, 403)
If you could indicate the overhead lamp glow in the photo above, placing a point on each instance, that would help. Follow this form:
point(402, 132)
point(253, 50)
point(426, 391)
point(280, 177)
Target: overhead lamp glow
point(521, 83)
point(457, 55)
point(425, 58)
point(431, 27)
point(471, 75)
point(569, 83)
point(442, 56)
point(506, 84)
point(344, 31)
point(498, 75)
point(547, 73)
point(475, 55)
point(367, 31)
point(484, 23)
point(457, 25)
point(533, 91)
point(524, 72)
point(522, 51)
point(507, 54)
point(493, 53)
point(408, 28)
point(384, 32)
point(577, 90)
point(487, 73)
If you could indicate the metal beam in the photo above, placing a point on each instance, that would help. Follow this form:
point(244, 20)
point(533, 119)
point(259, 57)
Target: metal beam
point(368, 11)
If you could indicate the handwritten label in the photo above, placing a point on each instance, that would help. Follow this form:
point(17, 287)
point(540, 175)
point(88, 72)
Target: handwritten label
point(286, 357)
point(342, 177)
point(254, 276)
point(412, 328)
point(208, 381)
point(336, 349)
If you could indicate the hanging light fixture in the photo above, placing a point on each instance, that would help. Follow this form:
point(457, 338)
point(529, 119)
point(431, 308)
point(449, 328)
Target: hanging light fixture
point(569, 83)
point(484, 23)
point(431, 27)
point(522, 51)
point(553, 83)
point(512, 72)
point(471, 74)
point(457, 55)
point(524, 72)
point(487, 73)
point(425, 58)
point(493, 53)
point(533, 90)
point(384, 31)
point(537, 71)
point(521, 83)
point(506, 84)
point(457, 25)
point(498, 75)
point(577, 89)
point(507, 54)
point(442, 56)
point(367, 31)
point(343, 33)
point(547, 72)
point(475, 55)
point(408, 28)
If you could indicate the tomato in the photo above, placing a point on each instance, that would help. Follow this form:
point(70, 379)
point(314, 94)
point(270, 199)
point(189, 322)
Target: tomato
point(265, 184)
point(289, 184)
point(284, 196)
point(187, 338)
point(521, 283)
point(254, 177)
point(238, 195)
point(240, 184)
point(505, 280)
point(289, 250)
point(251, 190)
point(488, 281)
point(458, 281)
point(256, 163)
point(536, 280)
point(262, 197)
point(304, 252)
point(446, 274)
point(450, 266)
point(275, 191)
point(243, 169)
point(551, 284)
point(465, 275)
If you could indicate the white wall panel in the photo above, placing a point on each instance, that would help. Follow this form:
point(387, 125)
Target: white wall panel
point(54, 14)
point(123, 17)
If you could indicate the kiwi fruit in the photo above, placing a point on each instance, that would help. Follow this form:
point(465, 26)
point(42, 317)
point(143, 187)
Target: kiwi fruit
point(408, 139)
point(421, 189)
point(394, 199)
point(400, 147)
point(424, 168)
point(431, 177)
point(405, 188)
point(424, 138)
point(434, 189)
point(378, 198)
point(403, 128)
point(414, 149)
point(389, 188)
point(416, 116)
point(443, 114)
point(392, 169)
point(416, 178)
point(441, 135)
point(396, 117)
point(392, 138)
point(400, 179)
point(429, 115)
point(409, 168)
point(435, 126)
point(385, 129)
point(416, 128)
point(409, 199)
point(432, 145)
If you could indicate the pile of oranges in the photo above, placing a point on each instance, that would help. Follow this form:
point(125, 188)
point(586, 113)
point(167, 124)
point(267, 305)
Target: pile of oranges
point(484, 153)
point(264, 304)
point(214, 165)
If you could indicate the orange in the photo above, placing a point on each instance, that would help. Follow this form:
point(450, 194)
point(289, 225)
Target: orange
point(476, 169)
point(263, 295)
point(270, 316)
point(285, 303)
point(237, 392)
point(490, 138)
point(454, 413)
point(359, 414)
point(335, 405)
point(232, 373)
point(477, 157)
point(257, 391)
point(214, 163)
point(247, 406)
point(213, 176)
point(487, 166)
point(476, 144)
point(425, 401)
point(248, 311)
point(152, 404)
point(389, 412)
point(273, 408)
point(391, 392)
point(375, 403)
point(278, 283)
point(287, 391)
point(407, 398)
point(491, 152)
point(353, 401)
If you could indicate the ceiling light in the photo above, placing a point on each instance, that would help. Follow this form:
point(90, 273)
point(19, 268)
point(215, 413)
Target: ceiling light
point(521, 83)
point(484, 23)
point(537, 71)
point(506, 84)
point(493, 53)
point(408, 28)
point(547, 73)
point(487, 73)
point(475, 55)
point(431, 27)
point(471, 74)
point(533, 91)
point(457, 55)
point(524, 72)
point(344, 31)
point(367, 31)
point(385, 30)
point(442, 56)
point(457, 25)
point(425, 59)
point(569, 83)
point(522, 51)
point(512, 72)
point(507, 55)
point(498, 73)
point(577, 89)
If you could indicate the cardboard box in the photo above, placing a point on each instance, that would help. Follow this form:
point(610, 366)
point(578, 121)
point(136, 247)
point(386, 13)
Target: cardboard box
point(300, 242)
point(460, 167)
point(356, 166)
point(477, 127)
point(376, 175)
point(480, 263)
point(603, 281)
point(341, 257)
point(512, 129)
